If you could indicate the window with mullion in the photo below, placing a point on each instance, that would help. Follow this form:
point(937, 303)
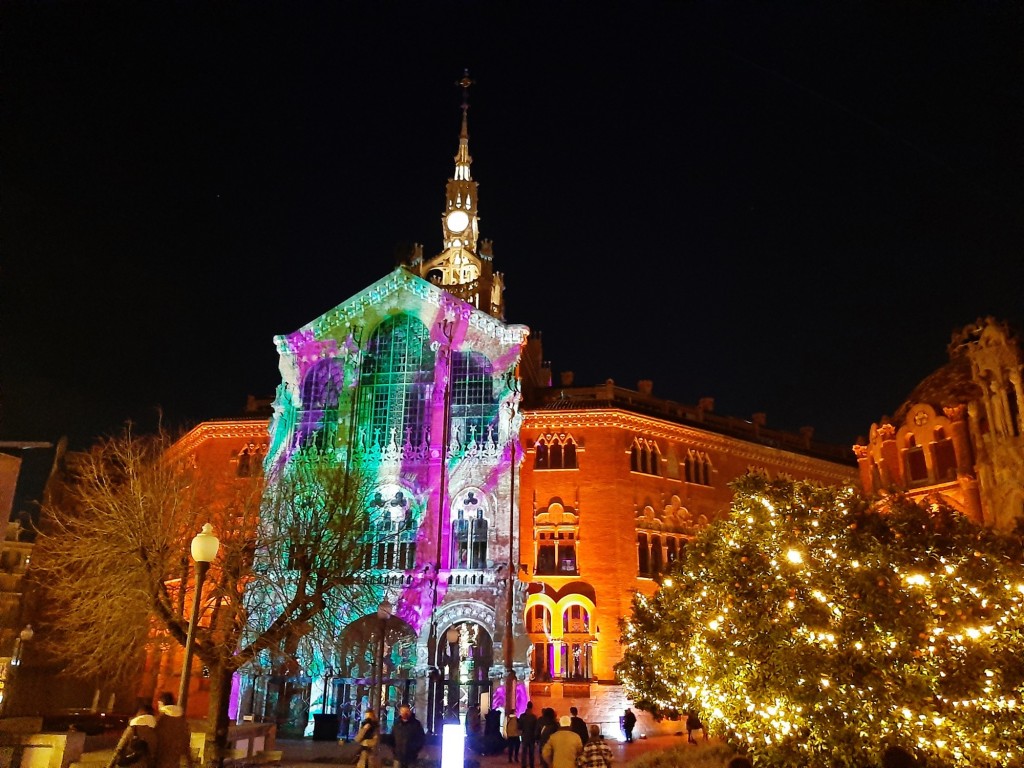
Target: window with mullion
point(398, 367)
point(474, 404)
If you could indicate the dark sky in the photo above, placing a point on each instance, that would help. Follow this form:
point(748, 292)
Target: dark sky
point(787, 206)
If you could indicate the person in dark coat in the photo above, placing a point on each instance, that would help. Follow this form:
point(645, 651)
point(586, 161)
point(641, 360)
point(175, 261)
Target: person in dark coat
point(578, 725)
point(409, 738)
point(547, 724)
point(528, 734)
point(628, 724)
point(694, 723)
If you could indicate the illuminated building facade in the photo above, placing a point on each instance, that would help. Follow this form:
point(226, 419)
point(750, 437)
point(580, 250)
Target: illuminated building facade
point(614, 483)
point(510, 519)
point(958, 436)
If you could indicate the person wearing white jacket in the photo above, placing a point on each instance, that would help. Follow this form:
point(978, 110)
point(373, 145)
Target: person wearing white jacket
point(143, 726)
point(173, 736)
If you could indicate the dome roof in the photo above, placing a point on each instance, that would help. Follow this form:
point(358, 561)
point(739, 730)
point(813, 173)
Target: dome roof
point(949, 385)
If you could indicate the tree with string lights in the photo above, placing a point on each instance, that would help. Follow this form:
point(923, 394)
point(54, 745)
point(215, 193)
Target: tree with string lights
point(812, 627)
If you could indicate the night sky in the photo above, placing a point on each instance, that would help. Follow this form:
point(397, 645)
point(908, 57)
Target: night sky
point(786, 206)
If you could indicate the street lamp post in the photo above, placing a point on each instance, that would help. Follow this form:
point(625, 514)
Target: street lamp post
point(452, 686)
point(512, 576)
point(204, 550)
point(23, 637)
point(384, 611)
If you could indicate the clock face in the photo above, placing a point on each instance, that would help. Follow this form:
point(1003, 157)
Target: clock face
point(457, 221)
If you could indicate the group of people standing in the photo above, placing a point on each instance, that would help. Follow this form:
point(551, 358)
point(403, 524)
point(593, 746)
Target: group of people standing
point(408, 738)
point(155, 739)
point(562, 742)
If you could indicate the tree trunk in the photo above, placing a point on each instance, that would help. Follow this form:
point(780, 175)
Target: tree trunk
point(217, 721)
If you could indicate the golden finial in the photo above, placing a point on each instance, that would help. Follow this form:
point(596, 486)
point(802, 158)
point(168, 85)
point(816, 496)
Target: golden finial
point(464, 84)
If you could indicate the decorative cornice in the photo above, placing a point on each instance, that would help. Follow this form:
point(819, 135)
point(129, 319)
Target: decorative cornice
point(244, 429)
point(548, 420)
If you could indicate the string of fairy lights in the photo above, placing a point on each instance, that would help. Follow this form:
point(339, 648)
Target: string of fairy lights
point(809, 628)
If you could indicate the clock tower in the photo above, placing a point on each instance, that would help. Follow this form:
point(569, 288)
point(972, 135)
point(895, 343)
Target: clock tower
point(465, 266)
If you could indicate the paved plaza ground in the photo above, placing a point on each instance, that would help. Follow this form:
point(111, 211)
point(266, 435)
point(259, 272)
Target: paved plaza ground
point(307, 753)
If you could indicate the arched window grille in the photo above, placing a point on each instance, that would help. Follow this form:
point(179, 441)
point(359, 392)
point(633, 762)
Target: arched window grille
point(469, 534)
point(395, 382)
point(474, 403)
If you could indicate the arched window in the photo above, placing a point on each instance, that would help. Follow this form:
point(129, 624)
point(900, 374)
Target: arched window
point(697, 466)
point(657, 560)
point(395, 381)
point(474, 404)
point(569, 454)
point(322, 385)
point(671, 551)
point(538, 619)
point(540, 460)
point(576, 620)
point(469, 533)
point(555, 459)
point(643, 552)
point(644, 457)
point(943, 456)
point(914, 460)
point(389, 531)
point(320, 394)
point(555, 452)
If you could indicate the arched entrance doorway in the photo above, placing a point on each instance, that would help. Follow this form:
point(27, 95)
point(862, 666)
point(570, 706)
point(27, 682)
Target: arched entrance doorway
point(465, 654)
point(360, 653)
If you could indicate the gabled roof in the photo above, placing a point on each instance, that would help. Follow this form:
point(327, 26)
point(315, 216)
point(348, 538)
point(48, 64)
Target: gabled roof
point(338, 321)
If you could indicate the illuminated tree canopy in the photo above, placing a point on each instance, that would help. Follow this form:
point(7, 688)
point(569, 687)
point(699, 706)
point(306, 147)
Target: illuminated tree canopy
point(813, 628)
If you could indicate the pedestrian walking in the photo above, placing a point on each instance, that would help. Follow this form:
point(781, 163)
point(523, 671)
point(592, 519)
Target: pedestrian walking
point(511, 734)
point(563, 746)
point(409, 738)
point(528, 736)
point(628, 724)
point(596, 753)
point(368, 737)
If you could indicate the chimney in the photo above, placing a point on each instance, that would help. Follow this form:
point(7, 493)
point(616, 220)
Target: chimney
point(806, 435)
point(645, 387)
point(566, 378)
point(706, 404)
point(759, 419)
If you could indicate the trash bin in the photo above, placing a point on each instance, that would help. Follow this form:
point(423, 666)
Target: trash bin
point(325, 727)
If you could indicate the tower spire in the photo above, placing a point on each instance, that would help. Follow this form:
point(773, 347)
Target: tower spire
point(464, 267)
point(462, 158)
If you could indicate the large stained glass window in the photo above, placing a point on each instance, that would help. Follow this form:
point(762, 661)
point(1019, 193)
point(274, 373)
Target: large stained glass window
point(321, 391)
point(474, 404)
point(395, 382)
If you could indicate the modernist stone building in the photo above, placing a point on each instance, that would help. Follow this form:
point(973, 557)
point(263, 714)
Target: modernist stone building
point(511, 518)
point(959, 436)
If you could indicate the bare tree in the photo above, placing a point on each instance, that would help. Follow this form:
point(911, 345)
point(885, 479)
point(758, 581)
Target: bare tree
point(113, 568)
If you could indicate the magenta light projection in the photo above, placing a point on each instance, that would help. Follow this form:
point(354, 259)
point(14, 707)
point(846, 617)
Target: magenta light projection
point(418, 390)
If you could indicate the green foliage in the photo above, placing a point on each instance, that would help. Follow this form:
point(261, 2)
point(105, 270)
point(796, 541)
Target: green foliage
point(811, 627)
point(685, 756)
